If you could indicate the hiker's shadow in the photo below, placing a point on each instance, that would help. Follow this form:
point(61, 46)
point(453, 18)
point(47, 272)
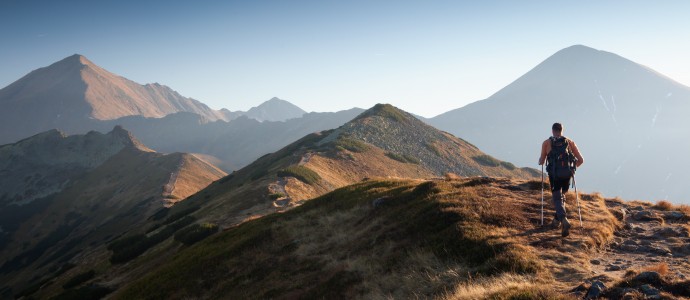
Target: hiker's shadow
point(540, 229)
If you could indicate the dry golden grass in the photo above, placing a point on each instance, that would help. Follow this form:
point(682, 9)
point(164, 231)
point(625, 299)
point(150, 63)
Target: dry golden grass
point(451, 176)
point(684, 209)
point(192, 175)
point(505, 286)
point(663, 205)
point(661, 268)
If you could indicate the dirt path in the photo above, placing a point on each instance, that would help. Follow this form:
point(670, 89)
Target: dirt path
point(305, 158)
point(278, 188)
point(649, 238)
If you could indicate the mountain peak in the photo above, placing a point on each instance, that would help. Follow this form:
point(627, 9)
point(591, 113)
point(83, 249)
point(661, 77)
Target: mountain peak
point(386, 111)
point(581, 52)
point(74, 59)
point(275, 109)
point(576, 65)
point(126, 137)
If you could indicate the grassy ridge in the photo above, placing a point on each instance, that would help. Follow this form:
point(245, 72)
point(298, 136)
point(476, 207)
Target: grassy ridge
point(417, 238)
point(302, 173)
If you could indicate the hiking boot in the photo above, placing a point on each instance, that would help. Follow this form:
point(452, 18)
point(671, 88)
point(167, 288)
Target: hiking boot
point(565, 231)
point(555, 223)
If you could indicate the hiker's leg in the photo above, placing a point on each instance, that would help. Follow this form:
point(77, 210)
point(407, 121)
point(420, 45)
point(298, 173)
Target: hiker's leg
point(557, 200)
point(564, 185)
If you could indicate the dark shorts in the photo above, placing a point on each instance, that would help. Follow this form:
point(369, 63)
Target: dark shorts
point(562, 184)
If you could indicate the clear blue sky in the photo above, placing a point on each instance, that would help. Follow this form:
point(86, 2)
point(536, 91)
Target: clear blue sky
point(426, 57)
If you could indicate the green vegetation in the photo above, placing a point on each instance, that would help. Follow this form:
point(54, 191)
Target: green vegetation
point(432, 148)
point(490, 161)
point(177, 214)
point(194, 233)
point(487, 160)
point(351, 145)
point(276, 196)
point(128, 248)
point(79, 279)
point(386, 111)
point(403, 158)
point(508, 165)
point(302, 173)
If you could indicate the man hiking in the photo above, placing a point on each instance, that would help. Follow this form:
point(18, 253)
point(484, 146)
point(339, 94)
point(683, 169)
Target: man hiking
point(562, 157)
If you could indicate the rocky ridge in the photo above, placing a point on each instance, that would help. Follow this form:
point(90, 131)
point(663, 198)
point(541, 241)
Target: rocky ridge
point(647, 258)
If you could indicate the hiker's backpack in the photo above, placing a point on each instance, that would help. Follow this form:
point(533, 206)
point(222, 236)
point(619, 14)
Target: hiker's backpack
point(560, 161)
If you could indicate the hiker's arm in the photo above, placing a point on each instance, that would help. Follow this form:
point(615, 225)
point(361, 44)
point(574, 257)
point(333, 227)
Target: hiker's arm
point(542, 157)
point(577, 154)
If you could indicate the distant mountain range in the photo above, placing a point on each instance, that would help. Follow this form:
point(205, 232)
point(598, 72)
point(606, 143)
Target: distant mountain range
point(63, 193)
point(628, 120)
point(602, 98)
point(76, 96)
point(231, 145)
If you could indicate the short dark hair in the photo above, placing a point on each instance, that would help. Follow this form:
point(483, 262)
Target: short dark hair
point(557, 127)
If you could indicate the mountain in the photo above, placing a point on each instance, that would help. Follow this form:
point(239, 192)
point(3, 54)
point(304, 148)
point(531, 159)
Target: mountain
point(74, 90)
point(622, 115)
point(275, 110)
point(43, 164)
point(63, 196)
point(382, 142)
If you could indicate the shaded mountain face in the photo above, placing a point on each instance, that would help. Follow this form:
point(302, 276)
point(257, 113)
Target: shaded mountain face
point(74, 90)
point(64, 196)
point(275, 110)
point(45, 163)
point(623, 116)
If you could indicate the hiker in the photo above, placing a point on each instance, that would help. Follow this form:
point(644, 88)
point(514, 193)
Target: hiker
point(562, 157)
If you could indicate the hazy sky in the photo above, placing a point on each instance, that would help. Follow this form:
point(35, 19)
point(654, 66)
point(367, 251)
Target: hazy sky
point(426, 57)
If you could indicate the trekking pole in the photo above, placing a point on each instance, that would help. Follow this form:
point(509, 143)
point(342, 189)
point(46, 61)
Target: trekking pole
point(577, 198)
point(542, 194)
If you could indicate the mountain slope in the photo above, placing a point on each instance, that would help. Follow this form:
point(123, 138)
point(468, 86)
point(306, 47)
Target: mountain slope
point(107, 197)
point(389, 239)
point(74, 90)
point(275, 110)
point(621, 114)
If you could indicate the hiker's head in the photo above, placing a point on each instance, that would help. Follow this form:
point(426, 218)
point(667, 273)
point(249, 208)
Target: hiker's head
point(557, 129)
